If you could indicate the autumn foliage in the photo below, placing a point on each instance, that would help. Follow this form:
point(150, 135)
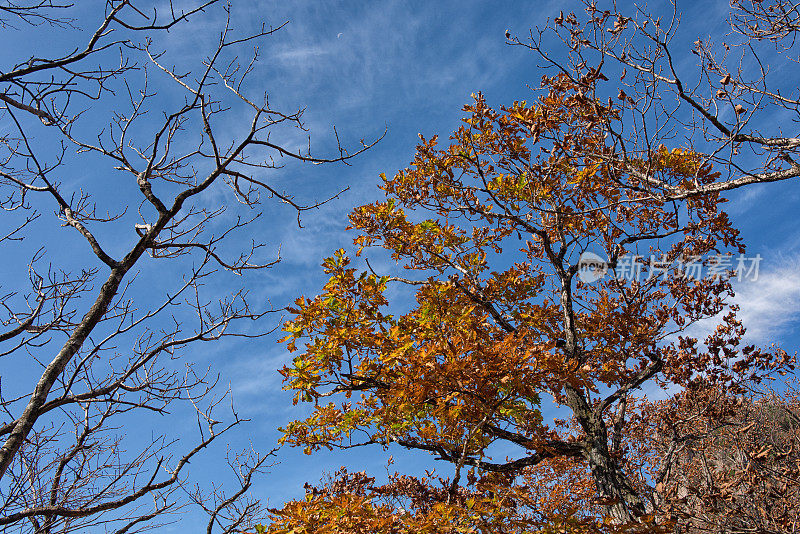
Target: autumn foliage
point(491, 325)
point(733, 462)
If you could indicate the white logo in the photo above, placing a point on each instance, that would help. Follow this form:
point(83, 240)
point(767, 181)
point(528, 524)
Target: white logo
point(591, 267)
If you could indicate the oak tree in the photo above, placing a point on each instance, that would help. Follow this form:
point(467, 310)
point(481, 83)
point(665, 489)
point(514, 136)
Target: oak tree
point(498, 318)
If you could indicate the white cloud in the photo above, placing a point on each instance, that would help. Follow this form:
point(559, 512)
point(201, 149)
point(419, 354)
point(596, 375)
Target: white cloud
point(302, 55)
point(746, 198)
point(768, 306)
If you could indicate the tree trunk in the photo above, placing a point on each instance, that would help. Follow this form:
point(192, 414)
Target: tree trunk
point(625, 505)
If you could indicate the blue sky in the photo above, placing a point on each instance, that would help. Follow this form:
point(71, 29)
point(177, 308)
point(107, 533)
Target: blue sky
point(407, 67)
point(412, 66)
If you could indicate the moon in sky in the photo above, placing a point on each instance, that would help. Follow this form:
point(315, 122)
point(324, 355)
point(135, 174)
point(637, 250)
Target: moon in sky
point(338, 35)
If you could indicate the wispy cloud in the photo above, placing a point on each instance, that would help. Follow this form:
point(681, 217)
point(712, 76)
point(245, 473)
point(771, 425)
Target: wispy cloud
point(769, 306)
point(302, 55)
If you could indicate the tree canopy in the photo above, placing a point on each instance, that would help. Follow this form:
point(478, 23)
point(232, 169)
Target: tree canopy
point(500, 315)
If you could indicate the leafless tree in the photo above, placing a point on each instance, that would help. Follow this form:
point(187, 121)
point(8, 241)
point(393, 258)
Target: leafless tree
point(101, 354)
